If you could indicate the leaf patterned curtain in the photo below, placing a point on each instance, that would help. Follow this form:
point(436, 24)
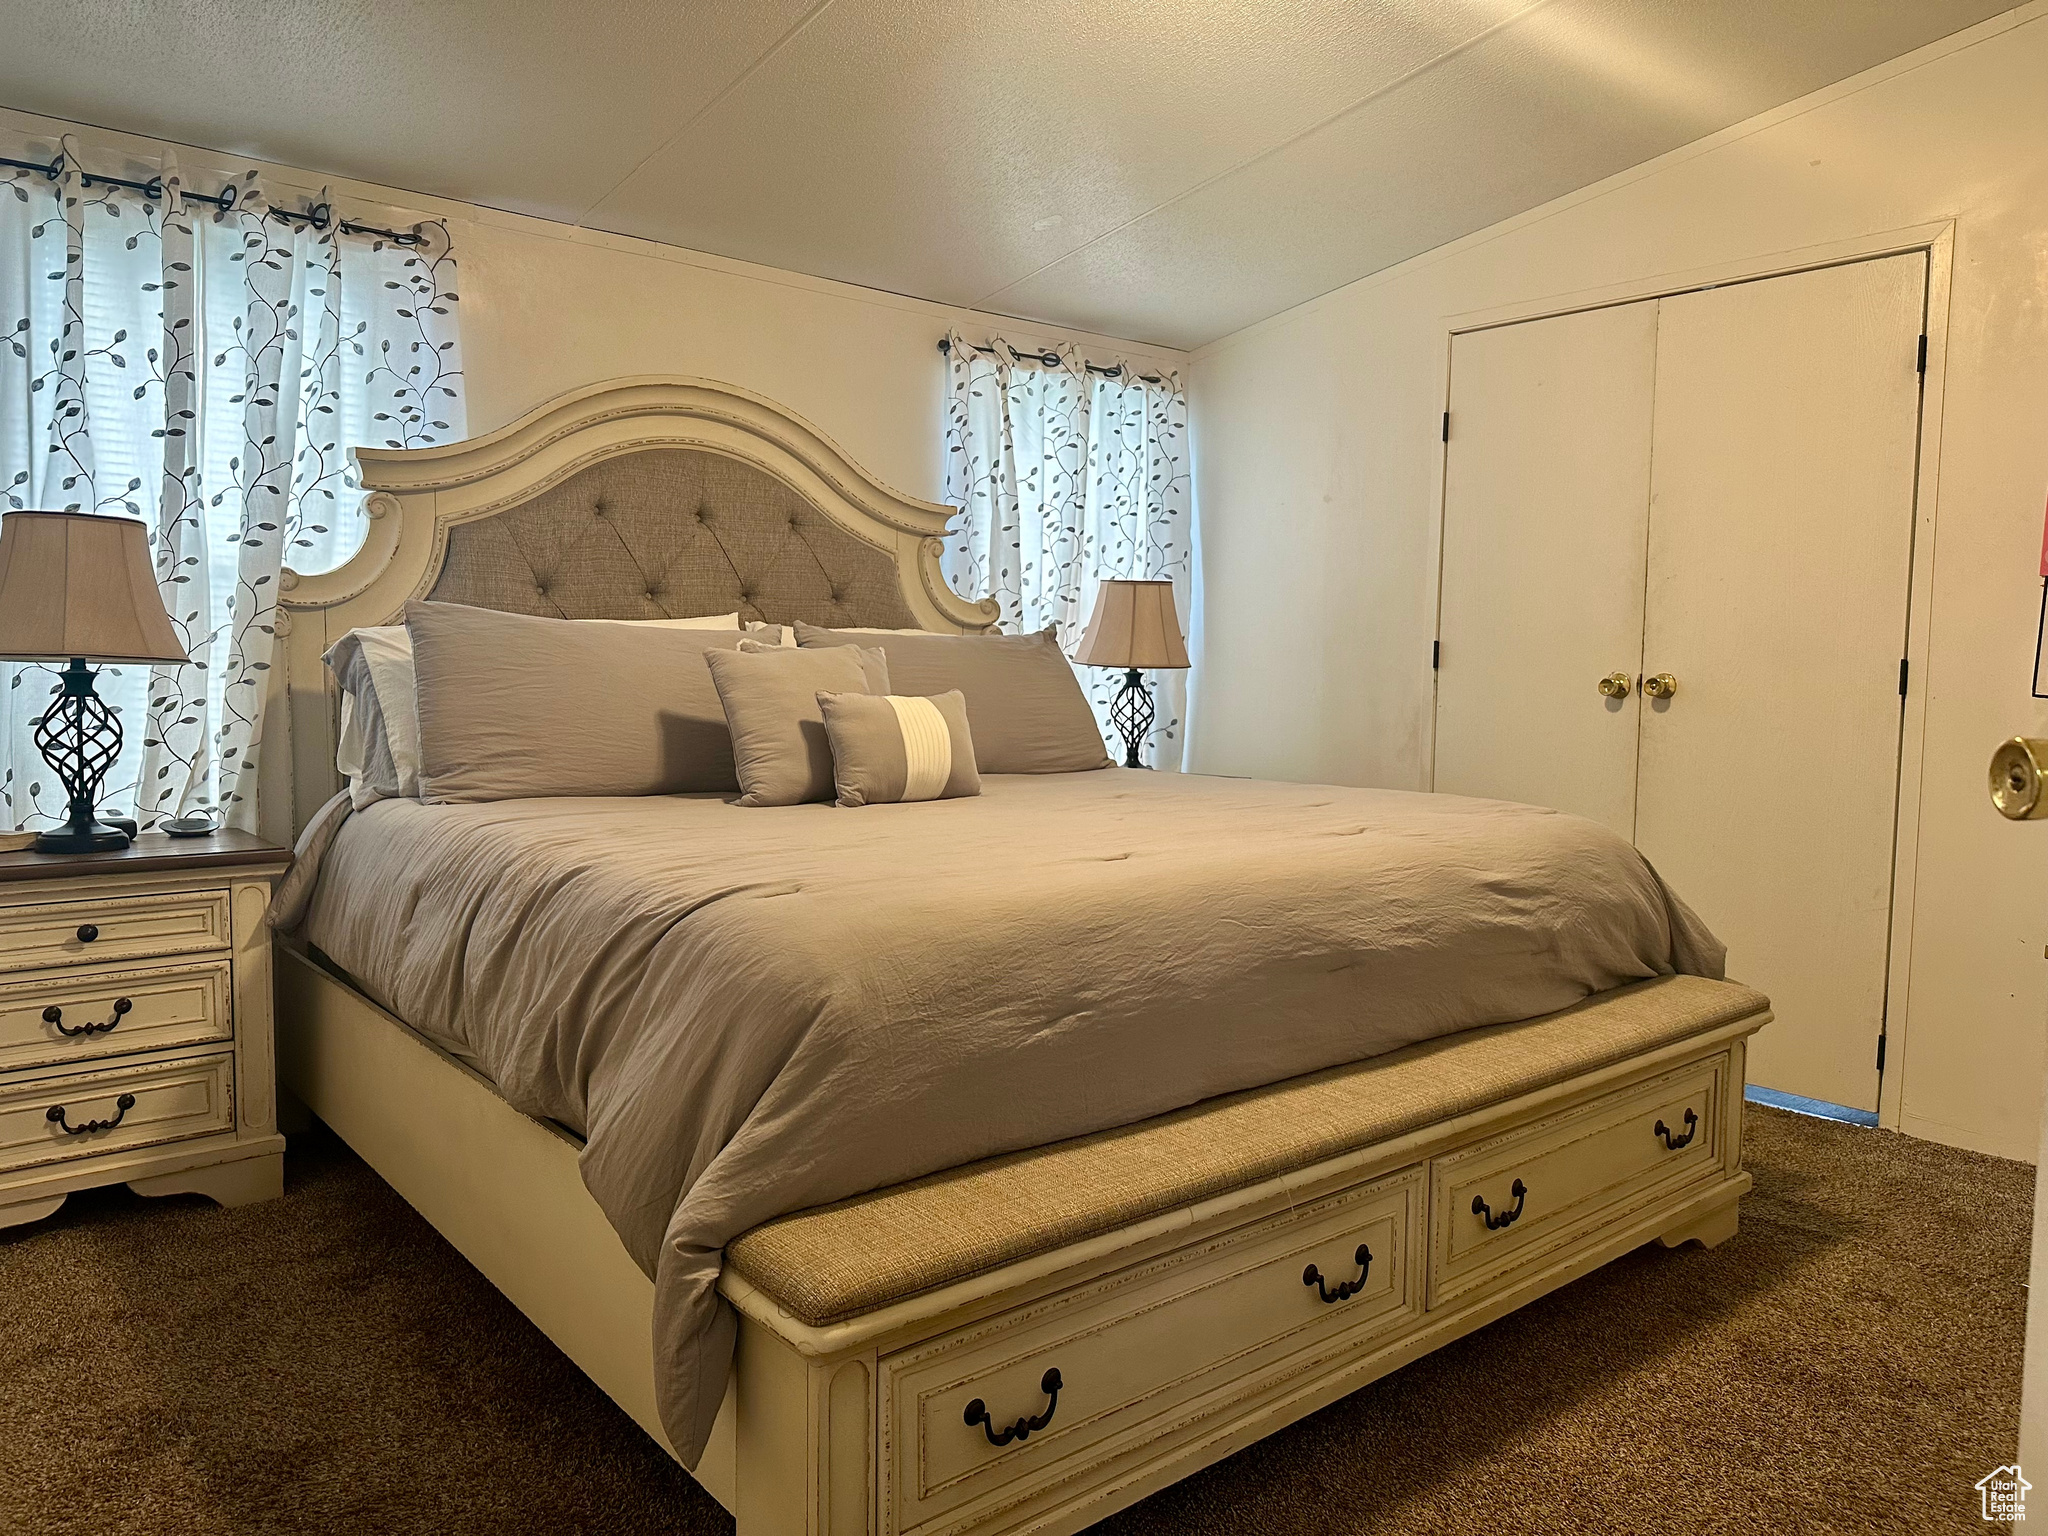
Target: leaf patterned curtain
point(1068, 476)
point(207, 372)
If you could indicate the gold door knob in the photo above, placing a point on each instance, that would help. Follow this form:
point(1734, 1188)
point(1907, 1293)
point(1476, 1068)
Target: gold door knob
point(1615, 685)
point(1662, 686)
point(2019, 774)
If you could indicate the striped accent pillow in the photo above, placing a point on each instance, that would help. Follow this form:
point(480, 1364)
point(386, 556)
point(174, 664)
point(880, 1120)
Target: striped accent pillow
point(894, 747)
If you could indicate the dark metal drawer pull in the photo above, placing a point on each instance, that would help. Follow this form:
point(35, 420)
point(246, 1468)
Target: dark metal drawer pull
point(1346, 1289)
point(1023, 1429)
point(55, 1015)
point(1506, 1218)
point(55, 1114)
point(1673, 1143)
point(87, 933)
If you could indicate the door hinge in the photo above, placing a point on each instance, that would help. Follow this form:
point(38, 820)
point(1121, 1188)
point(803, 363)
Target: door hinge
point(1447, 426)
point(1902, 677)
point(1436, 654)
point(1880, 1053)
point(1923, 354)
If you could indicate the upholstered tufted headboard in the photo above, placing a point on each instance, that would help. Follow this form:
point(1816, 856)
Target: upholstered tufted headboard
point(672, 533)
point(641, 498)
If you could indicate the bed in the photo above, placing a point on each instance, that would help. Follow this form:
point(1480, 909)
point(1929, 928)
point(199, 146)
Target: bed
point(1026, 1260)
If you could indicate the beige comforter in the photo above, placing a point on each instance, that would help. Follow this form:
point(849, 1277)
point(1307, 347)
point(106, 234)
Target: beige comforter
point(752, 1011)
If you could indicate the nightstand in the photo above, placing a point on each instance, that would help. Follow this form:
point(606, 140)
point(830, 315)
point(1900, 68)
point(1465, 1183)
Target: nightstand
point(135, 1023)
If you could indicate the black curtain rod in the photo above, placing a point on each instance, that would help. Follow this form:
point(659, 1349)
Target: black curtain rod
point(319, 216)
point(1052, 360)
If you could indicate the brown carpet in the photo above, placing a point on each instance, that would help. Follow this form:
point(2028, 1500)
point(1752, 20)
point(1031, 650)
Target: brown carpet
point(325, 1363)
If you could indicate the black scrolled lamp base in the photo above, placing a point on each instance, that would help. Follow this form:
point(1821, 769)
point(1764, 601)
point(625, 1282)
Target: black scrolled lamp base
point(80, 738)
point(1131, 713)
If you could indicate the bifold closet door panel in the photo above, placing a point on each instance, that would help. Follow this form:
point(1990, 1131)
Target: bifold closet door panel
point(1546, 486)
point(1781, 529)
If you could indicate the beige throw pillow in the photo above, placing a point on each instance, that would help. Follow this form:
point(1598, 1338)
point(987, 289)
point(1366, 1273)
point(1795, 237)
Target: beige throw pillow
point(780, 752)
point(896, 747)
point(513, 707)
point(1023, 701)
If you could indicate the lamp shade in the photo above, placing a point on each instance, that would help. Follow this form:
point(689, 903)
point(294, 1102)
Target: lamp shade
point(1134, 625)
point(73, 584)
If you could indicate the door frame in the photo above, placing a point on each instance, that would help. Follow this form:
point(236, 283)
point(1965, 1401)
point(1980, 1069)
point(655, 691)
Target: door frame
point(1937, 242)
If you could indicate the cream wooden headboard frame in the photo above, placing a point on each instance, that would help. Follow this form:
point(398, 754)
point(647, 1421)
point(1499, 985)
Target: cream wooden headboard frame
point(416, 495)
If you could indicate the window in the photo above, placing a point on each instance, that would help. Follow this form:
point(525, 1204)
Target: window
point(1069, 474)
point(207, 371)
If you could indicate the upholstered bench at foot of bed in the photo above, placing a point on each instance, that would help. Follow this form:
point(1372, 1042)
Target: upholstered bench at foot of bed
point(840, 1260)
point(1031, 1341)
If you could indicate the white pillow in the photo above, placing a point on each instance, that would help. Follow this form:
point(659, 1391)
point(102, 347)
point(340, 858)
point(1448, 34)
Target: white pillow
point(789, 631)
point(394, 715)
point(708, 621)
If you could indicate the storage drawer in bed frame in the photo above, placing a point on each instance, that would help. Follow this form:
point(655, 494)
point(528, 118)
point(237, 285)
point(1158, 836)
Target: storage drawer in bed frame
point(1045, 1414)
point(1501, 1206)
point(1189, 1342)
point(1072, 1381)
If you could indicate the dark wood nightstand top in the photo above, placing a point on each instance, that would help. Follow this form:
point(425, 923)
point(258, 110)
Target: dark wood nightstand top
point(152, 851)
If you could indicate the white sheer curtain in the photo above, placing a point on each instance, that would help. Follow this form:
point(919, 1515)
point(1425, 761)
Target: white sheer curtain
point(206, 372)
point(1069, 476)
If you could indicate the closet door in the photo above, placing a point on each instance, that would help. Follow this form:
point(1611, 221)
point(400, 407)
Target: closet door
point(1546, 482)
point(1780, 547)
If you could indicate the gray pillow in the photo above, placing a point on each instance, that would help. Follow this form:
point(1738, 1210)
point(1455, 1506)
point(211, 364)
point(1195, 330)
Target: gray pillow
point(770, 694)
point(513, 707)
point(363, 752)
point(1024, 703)
point(893, 747)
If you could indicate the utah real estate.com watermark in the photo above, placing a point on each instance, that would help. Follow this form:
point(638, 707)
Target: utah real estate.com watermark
point(2004, 1493)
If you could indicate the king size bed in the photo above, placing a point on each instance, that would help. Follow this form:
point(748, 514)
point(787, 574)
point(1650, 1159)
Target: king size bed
point(977, 1165)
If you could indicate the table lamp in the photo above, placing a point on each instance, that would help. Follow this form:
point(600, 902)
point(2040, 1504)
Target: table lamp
point(1134, 626)
point(75, 588)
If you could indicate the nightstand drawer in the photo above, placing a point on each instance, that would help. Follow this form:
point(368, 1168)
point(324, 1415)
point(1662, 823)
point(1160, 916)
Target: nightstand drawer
point(77, 1114)
point(88, 1014)
point(97, 932)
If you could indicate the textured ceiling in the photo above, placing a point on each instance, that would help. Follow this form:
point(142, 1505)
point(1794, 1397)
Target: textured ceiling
point(1166, 170)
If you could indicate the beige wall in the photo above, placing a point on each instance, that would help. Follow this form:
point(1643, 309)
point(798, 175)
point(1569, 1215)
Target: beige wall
point(1317, 484)
point(547, 307)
